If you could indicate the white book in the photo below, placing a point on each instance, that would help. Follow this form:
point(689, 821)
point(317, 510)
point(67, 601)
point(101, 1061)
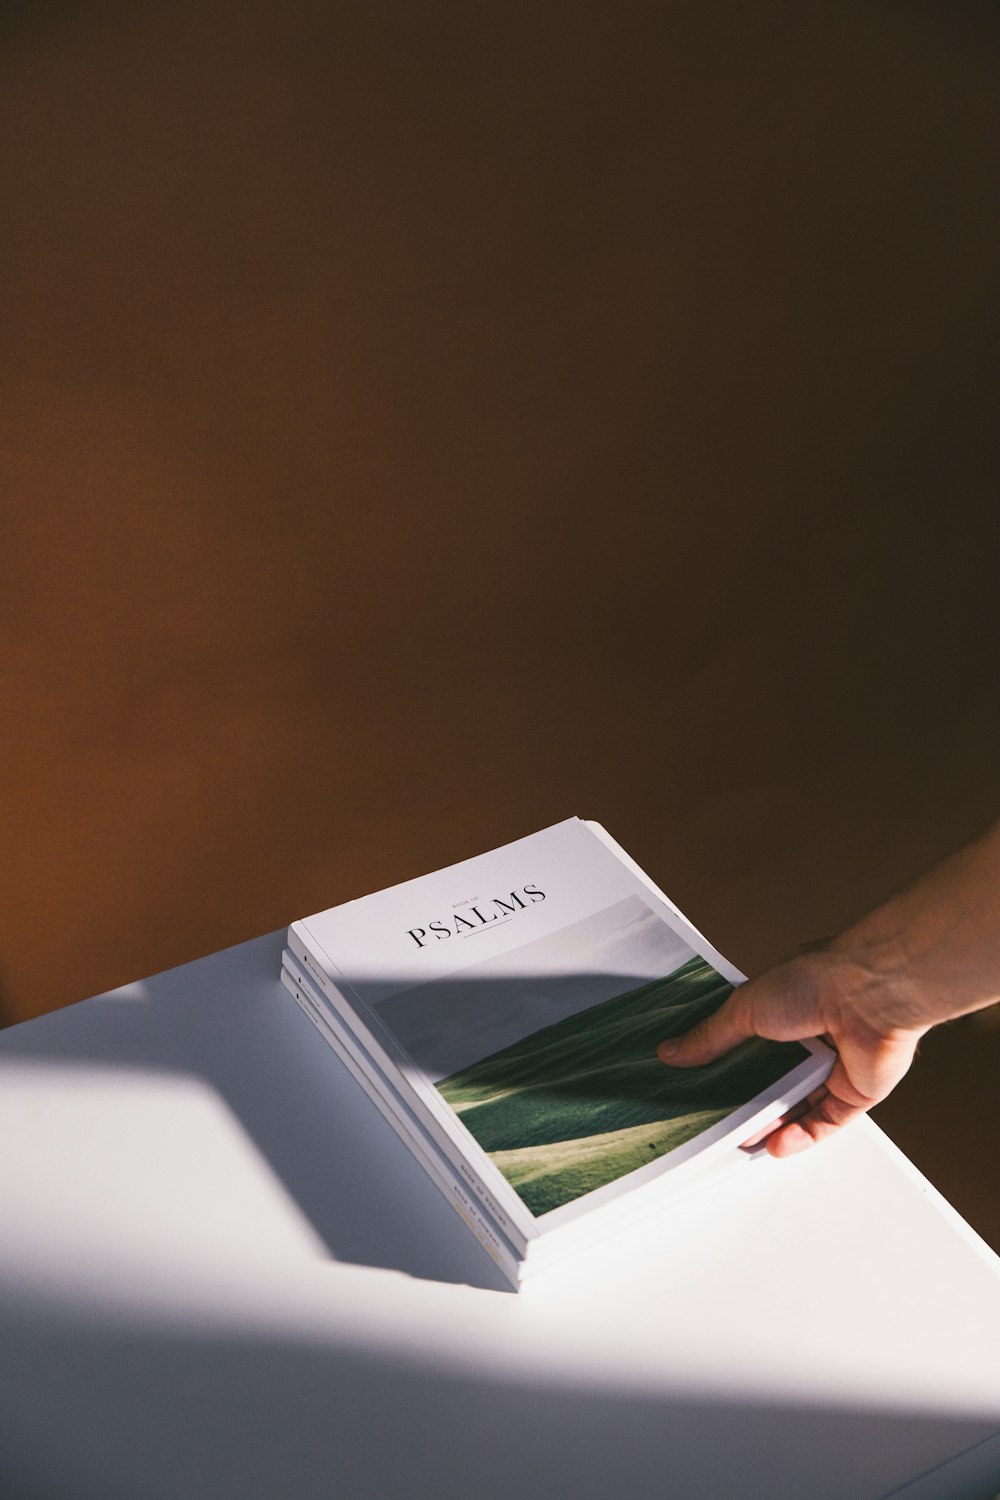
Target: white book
point(449, 1180)
point(513, 1003)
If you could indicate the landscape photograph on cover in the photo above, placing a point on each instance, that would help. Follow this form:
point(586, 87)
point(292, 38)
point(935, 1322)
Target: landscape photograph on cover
point(548, 1054)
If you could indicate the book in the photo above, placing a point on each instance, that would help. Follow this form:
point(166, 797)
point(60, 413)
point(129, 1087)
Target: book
point(504, 1014)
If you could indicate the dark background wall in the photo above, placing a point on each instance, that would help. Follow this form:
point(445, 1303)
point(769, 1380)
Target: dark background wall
point(422, 422)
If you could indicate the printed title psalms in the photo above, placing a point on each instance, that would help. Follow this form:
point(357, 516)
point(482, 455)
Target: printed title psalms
point(461, 923)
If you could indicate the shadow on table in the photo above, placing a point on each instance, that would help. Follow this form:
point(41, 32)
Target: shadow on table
point(105, 1399)
point(228, 1021)
point(103, 1404)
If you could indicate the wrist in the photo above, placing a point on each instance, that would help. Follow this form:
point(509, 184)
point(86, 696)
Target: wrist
point(878, 969)
point(926, 960)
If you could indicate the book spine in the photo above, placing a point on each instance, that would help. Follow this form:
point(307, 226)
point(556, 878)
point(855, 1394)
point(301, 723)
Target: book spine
point(444, 1179)
point(444, 1143)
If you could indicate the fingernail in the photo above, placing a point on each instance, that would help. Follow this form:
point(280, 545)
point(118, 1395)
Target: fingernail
point(667, 1049)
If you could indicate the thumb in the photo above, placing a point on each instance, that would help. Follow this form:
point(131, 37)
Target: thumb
point(711, 1037)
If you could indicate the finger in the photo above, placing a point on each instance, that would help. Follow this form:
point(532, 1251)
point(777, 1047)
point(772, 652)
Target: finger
point(823, 1120)
point(868, 1068)
point(830, 1108)
point(708, 1040)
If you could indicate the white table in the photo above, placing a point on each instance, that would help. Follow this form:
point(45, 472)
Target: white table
point(221, 1275)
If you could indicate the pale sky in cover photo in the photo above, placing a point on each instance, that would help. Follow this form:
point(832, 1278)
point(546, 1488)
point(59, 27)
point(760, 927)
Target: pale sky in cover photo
point(456, 1020)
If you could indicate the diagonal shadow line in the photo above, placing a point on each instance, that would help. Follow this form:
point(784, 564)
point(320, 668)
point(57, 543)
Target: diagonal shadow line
point(227, 1020)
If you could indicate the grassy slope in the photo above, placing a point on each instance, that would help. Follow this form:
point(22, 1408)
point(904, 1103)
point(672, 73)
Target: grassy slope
point(549, 1176)
point(570, 1107)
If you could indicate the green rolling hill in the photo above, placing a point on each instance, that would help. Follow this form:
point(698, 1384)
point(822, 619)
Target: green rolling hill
point(580, 1103)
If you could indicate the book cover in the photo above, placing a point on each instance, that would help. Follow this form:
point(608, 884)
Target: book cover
point(518, 998)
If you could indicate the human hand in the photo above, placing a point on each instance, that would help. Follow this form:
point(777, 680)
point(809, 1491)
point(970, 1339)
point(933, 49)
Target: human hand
point(817, 994)
point(930, 953)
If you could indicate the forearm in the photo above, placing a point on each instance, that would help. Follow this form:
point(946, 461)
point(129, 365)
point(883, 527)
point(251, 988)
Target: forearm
point(928, 954)
point(933, 951)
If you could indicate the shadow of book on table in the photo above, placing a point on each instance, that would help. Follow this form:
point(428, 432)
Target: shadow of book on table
point(226, 1020)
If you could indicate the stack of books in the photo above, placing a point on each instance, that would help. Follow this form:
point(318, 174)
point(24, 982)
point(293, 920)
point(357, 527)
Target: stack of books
point(504, 1014)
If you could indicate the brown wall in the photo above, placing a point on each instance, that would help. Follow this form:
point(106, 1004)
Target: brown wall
point(425, 421)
